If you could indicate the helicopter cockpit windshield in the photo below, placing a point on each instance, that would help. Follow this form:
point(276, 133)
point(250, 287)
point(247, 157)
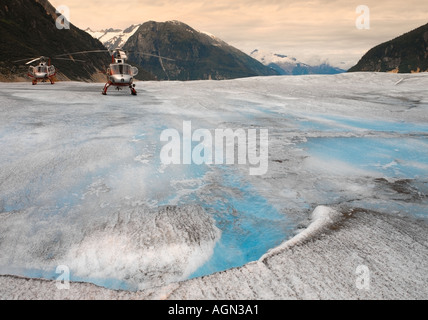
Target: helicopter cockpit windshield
point(121, 69)
point(42, 69)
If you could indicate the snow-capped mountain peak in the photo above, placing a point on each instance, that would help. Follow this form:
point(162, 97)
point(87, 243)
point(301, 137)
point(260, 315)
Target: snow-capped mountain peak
point(268, 57)
point(287, 65)
point(114, 38)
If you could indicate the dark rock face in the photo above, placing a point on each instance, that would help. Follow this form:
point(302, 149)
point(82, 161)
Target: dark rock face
point(28, 30)
point(197, 56)
point(405, 54)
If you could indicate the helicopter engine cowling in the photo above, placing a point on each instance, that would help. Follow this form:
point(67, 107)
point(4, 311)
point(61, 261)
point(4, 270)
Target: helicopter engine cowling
point(121, 79)
point(40, 75)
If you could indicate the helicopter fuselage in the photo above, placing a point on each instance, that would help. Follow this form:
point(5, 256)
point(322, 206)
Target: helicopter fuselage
point(120, 74)
point(42, 72)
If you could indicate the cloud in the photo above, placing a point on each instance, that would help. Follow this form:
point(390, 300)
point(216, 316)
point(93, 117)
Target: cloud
point(323, 28)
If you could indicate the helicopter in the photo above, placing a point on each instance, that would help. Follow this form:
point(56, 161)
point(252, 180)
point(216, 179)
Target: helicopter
point(44, 71)
point(120, 74)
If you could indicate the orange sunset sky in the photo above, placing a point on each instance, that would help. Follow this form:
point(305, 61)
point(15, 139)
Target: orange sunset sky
point(312, 31)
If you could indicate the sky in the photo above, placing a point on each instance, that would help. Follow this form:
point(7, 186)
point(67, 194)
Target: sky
point(312, 31)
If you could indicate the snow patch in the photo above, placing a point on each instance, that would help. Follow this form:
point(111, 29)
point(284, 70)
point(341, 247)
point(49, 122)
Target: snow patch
point(114, 38)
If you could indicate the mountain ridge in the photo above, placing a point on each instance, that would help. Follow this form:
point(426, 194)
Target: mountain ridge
point(404, 54)
point(19, 16)
point(196, 55)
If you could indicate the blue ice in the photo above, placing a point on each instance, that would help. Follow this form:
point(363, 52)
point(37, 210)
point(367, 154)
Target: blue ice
point(250, 226)
point(334, 123)
point(392, 157)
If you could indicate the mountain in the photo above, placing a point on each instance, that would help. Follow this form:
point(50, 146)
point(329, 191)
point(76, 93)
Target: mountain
point(286, 65)
point(28, 30)
point(197, 55)
point(114, 38)
point(404, 54)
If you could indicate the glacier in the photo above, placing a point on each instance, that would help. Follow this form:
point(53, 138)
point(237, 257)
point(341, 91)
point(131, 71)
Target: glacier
point(82, 185)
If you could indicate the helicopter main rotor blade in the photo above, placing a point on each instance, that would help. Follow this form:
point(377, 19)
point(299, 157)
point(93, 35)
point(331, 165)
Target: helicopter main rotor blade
point(153, 55)
point(75, 60)
point(81, 52)
point(34, 60)
point(24, 59)
point(110, 52)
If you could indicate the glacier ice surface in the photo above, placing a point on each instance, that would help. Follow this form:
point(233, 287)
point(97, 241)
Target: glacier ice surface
point(81, 182)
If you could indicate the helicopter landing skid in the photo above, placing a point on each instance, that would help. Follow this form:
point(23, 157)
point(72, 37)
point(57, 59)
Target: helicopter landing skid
point(109, 84)
point(133, 91)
